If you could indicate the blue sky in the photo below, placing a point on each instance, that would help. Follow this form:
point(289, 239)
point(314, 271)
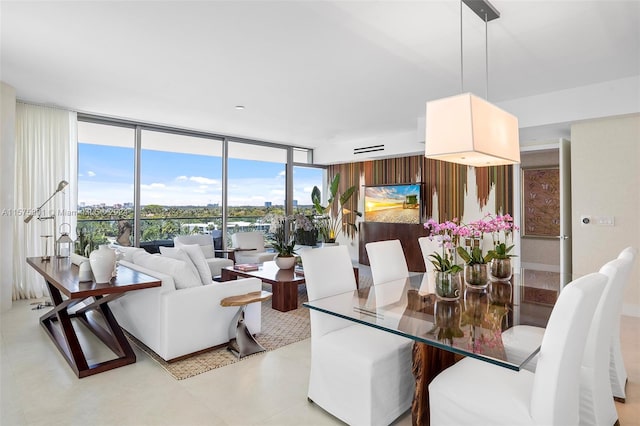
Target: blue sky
point(105, 175)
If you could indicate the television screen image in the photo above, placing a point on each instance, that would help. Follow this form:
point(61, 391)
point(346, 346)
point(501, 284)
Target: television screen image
point(392, 203)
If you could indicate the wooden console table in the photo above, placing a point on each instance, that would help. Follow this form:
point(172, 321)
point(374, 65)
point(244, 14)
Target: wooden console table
point(62, 278)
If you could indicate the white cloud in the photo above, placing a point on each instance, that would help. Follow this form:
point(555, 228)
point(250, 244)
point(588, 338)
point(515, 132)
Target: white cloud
point(90, 173)
point(153, 186)
point(203, 180)
point(181, 178)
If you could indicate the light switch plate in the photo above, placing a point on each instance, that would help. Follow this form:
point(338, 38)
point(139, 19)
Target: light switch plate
point(605, 221)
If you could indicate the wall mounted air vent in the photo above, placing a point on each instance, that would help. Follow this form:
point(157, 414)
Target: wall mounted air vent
point(367, 149)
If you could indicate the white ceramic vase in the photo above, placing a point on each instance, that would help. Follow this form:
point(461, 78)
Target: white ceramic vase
point(285, 262)
point(103, 263)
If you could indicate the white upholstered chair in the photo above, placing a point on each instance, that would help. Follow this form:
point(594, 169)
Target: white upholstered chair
point(474, 392)
point(427, 247)
point(250, 247)
point(617, 372)
point(205, 242)
point(387, 261)
point(359, 374)
point(596, 397)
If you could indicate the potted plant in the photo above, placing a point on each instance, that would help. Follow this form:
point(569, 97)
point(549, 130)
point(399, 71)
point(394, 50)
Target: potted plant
point(284, 244)
point(447, 276)
point(503, 228)
point(446, 271)
point(475, 268)
point(330, 222)
point(305, 230)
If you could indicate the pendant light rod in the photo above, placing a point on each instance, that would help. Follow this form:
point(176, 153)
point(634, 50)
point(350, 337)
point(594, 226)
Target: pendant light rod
point(461, 54)
point(482, 8)
point(486, 56)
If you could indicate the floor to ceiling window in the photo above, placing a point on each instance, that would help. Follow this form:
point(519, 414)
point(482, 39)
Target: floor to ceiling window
point(176, 185)
point(180, 186)
point(105, 185)
point(256, 186)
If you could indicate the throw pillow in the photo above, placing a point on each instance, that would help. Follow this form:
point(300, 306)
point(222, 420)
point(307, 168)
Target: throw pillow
point(177, 253)
point(127, 252)
point(207, 251)
point(181, 273)
point(197, 257)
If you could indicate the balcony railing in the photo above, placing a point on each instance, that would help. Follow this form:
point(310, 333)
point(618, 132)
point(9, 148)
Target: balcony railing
point(158, 231)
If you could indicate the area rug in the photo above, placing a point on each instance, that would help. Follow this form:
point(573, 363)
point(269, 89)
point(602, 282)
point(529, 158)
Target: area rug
point(278, 329)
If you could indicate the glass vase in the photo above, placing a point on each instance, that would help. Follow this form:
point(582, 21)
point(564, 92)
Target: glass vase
point(500, 269)
point(448, 285)
point(447, 315)
point(476, 275)
point(500, 292)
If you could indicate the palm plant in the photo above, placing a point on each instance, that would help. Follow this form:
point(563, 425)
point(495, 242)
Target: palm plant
point(330, 223)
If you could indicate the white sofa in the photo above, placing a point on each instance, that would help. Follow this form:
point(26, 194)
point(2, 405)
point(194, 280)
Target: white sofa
point(250, 248)
point(177, 322)
point(206, 245)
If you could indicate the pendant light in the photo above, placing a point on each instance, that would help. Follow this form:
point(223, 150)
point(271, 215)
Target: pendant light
point(467, 129)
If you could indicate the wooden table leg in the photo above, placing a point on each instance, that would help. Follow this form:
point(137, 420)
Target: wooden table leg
point(428, 361)
point(285, 296)
point(66, 339)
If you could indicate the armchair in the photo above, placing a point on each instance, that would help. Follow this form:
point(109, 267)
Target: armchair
point(250, 248)
point(206, 245)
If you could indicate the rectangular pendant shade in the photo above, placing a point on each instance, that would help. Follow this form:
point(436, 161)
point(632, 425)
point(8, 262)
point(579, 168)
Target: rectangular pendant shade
point(466, 129)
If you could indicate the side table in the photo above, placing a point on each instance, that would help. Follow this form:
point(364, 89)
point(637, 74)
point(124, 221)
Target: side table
point(228, 253)
point(241, 342)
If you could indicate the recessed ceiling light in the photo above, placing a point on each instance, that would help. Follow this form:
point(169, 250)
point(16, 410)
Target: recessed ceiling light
point(239, 107)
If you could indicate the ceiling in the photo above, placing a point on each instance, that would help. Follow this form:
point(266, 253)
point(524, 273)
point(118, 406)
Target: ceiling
point(307, 72)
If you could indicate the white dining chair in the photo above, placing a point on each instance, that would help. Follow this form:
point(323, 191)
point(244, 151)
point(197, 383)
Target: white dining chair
point(387, 261)
point(474, 392)
point(617, 371)
point(596, 397)
point(359, 374)
point(427, 247)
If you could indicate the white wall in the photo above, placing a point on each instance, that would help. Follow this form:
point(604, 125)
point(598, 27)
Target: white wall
point(7, 172)
point(605, 181)
point(547, 110)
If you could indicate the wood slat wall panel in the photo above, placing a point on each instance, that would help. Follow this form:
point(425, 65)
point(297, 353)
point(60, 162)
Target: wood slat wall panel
point(446, 180)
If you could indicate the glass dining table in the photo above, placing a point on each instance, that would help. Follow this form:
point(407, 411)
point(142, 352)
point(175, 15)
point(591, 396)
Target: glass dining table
point(444, 331)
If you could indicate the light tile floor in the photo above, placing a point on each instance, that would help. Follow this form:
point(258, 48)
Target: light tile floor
point(38, 388)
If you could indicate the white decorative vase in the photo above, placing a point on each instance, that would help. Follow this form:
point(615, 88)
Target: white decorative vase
point(285, 262)
point(103, 263)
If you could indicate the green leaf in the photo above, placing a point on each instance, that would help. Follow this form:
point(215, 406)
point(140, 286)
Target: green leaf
point(346, 195)
point(333, 188)
point(463, 254)
point(316, 199)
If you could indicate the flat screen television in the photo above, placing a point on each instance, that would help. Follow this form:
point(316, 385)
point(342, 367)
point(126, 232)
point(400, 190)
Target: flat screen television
point(397, 203)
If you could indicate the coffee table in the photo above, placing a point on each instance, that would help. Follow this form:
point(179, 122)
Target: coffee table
point(284, 283)
point(62, 278)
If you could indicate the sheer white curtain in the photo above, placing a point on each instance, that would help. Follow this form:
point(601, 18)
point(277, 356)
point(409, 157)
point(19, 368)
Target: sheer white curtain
point(46, 153)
